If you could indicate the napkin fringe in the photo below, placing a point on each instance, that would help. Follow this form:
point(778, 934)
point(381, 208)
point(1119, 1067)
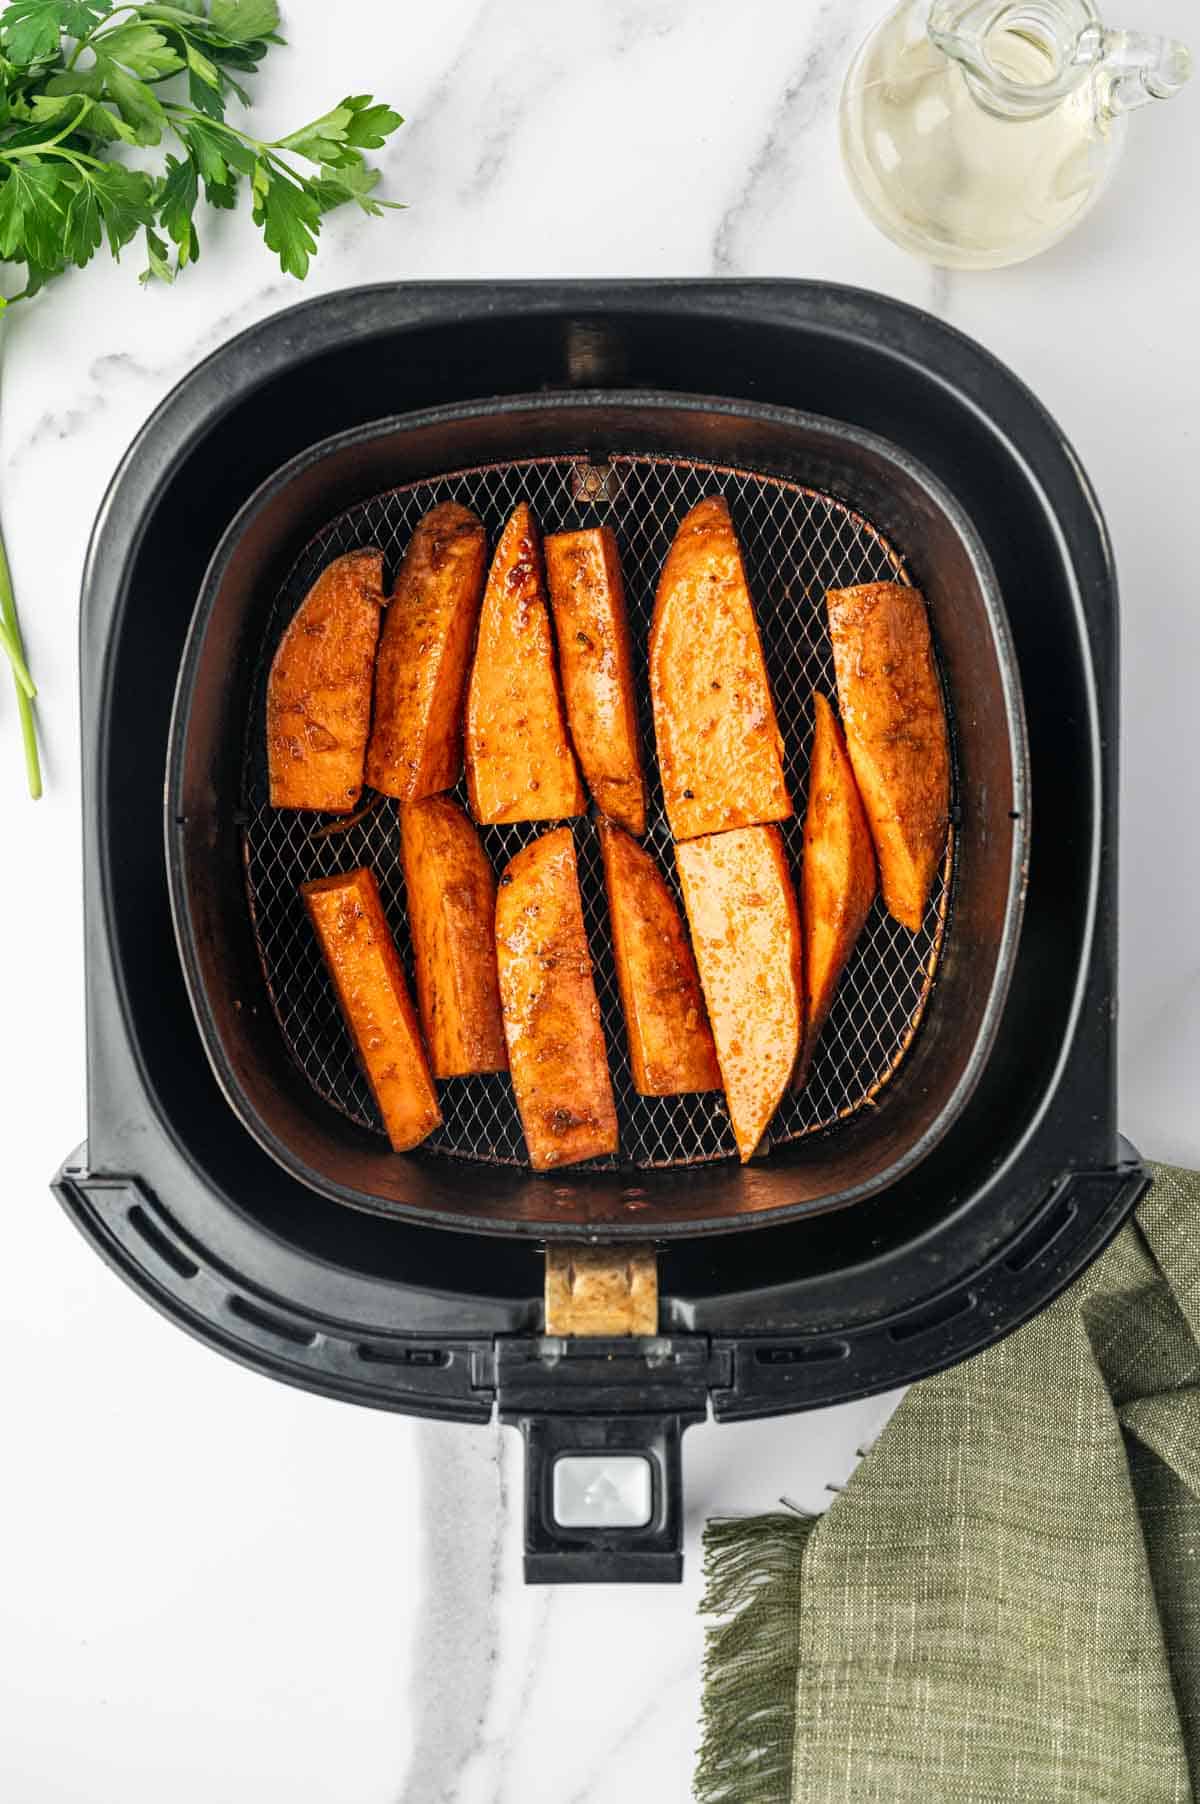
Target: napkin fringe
point(753, 1571)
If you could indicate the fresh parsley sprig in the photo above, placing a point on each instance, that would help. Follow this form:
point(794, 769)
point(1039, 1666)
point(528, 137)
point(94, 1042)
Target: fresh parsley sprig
point(81, 79)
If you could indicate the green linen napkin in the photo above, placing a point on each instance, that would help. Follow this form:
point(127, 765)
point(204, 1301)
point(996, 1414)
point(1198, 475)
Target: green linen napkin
point(1003, 1607)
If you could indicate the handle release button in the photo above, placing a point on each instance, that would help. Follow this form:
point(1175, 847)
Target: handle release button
point(605, 1491)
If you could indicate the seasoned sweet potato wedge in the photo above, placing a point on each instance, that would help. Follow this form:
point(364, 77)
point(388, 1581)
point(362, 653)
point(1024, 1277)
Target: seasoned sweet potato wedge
point(520, 766)
point(895, 726)
point(587, 594)
point(365, 966)
point(319, 689)
point(551, 1015)
point(452, 917)
point(670, 1042)
point(719, 750)
point(421, 672)
point(746, 933)
point(837, 881)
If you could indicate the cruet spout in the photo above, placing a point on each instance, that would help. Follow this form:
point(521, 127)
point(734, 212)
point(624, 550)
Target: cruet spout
point(1136, 68)
point(1127, 68)
point(1020, 57)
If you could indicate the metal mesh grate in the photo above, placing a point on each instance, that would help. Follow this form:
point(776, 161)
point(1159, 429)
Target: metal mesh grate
point(796, 544)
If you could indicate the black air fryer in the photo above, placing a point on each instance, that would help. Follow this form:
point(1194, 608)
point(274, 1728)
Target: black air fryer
point(954, 1159)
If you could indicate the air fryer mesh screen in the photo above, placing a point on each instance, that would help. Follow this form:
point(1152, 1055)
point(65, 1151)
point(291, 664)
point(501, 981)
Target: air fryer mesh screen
point(797, 544)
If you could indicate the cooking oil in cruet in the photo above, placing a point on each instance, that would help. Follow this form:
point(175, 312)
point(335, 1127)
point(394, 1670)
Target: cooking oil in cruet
point(976, 135)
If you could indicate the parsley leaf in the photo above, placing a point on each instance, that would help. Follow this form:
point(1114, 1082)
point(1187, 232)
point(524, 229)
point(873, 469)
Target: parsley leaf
point(137, 104)
point(290, 216)
point(353, 181)
point(244, 20)
point(32, 213)
point(371, 125)
point(36, 277)
point(127, 60)
point(199, 66)
point(127, 200)
point(140, 49)
point(176, 203)
point(356, 123)
point(93, 120)
point(158, 263)
point(324, 139)
point(83, 233)
point(220, 157)
point(31, 29)
point(204, 97)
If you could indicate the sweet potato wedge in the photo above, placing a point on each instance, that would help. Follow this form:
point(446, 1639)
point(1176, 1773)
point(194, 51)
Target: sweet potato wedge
point(520, 766)
point(670, 1042)
point(719, 750)
point(587, 594)
point(895, 727)
point(746, 934)
point(367, 974)
point(551, 1015)
point(837, 880)
point(451, 893)
point(415, 747)
point(319, 689)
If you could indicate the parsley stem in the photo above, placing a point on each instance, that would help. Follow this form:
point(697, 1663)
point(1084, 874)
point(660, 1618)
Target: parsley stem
point(98, 27)
point(12, 630)
point(50, 143)
point(218, 126)
point(16, 658)
point(78, 157)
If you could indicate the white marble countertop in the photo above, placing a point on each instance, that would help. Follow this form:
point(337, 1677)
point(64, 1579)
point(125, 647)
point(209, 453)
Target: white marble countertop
point(220, 1591)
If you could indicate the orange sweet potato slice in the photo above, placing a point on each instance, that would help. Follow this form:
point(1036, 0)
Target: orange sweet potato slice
point(415, 748)
point(837, 880)
point(369, 979)
point(520, 766)
point(451, 894)
point(551, 1016)
point(895, 725)
point(719, 750)
point(587, 594)
point(319, 688)
point(670, 1042)
point(746, 934)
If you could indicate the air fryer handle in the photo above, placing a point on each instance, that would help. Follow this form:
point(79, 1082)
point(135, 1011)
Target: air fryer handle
point(604, 1498)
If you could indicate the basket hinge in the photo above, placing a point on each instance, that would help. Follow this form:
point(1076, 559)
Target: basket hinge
point(608, 1291)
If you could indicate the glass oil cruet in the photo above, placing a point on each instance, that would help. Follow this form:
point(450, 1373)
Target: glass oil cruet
point(977, 134)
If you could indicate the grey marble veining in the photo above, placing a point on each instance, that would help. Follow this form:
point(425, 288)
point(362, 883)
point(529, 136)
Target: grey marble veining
point(120, 372)
point(456, 1628)
point(807, 99)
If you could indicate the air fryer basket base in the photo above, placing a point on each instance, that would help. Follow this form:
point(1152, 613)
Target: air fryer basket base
point(1019, 1195)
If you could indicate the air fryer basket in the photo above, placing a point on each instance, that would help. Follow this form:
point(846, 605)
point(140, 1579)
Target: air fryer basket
point(872, 1106)
point(1022, 1189)
point(798, 544)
